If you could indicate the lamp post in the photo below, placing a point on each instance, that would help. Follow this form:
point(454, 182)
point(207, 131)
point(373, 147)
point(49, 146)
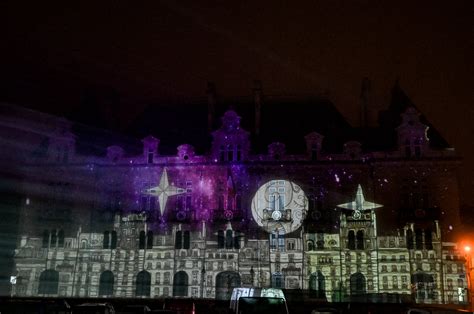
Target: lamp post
point(252, 275)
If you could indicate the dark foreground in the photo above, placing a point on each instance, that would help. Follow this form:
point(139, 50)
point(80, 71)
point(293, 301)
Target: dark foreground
point(198, 306)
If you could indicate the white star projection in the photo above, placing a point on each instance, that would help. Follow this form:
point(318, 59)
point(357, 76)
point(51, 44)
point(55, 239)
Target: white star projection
point(164, 190)
point(359, 204)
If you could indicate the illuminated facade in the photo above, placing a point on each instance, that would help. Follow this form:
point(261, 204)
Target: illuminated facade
point(336, 223)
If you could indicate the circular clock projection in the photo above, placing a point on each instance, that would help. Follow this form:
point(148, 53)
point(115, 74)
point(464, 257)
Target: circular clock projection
point(279, 205)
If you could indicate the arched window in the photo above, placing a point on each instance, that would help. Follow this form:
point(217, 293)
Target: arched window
point(178, 243)
point(106, 283)
point(360, 239)
point(428, 239)
point(113, 242)
point(220, 239)
point(186, 240)
point(106, 240)
point(357, 284)
point(317, 285)
point(229, 240)
point(141, 244)
point(143, 284)
point(180, 284)
point(61, 238)
point(48, 282)
point(45, 239)
point(419, 239)
point(351, 240)
point(409, 239)
point(310, 245)
point(149, 240)
point(225, 282)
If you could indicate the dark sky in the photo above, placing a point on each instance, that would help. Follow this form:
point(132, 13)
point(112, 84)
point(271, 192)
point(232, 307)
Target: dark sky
point(170, 49)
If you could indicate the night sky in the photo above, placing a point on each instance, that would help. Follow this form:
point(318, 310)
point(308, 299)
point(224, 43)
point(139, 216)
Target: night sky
point(166, 50)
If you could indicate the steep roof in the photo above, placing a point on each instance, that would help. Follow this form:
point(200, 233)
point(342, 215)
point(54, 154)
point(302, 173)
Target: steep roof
point(283, 119)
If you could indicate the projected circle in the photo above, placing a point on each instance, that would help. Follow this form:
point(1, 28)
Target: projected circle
point(279, 205)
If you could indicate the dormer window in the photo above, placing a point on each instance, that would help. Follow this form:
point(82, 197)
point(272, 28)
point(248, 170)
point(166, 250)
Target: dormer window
point(150, 148)
point(352, 150)
point(185, 152)
point(276, 150)
point(313, 145)
point(412, 134)
point(61, 143)
point(150, 156)
point(114, 153)
point(230, 142)
point(314, 151)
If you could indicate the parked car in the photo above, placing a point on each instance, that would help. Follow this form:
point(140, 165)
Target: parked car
point(261, 305)
point(95, 308)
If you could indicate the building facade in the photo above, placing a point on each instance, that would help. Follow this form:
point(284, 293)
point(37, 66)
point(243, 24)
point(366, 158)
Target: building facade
point(337, 223)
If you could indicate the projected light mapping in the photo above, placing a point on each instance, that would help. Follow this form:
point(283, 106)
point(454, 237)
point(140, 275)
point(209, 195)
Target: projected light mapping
point(279, 204)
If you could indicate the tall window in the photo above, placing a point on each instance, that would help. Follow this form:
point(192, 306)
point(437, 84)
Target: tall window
point(360, 240)
point(149, 240)
point(45, 239)
point(428, 239)
point(143, 284)
point(351, 240)
point(419, 239)
point(277, 240)
point(278, 281)
point(314, 151)
point(220, 239)
point(61, 238)
point(150, 156)
point(142, 239)
point(48, 282)
point(106, 284)
point(54, 238)
point(229, 239)
point(317, 284)
point(186, 240)
point(106, 241)
point(237, 241)
point(180, 284)
point(113, 241)
point(357, 284)
point(409, 239)
point(182, 240)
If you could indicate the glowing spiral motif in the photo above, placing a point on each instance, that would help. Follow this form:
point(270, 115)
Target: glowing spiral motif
point(279, 205)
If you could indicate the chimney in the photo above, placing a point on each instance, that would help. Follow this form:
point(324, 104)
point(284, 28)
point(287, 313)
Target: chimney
point(258, 99)
point(364, 102)
point(211, 104)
